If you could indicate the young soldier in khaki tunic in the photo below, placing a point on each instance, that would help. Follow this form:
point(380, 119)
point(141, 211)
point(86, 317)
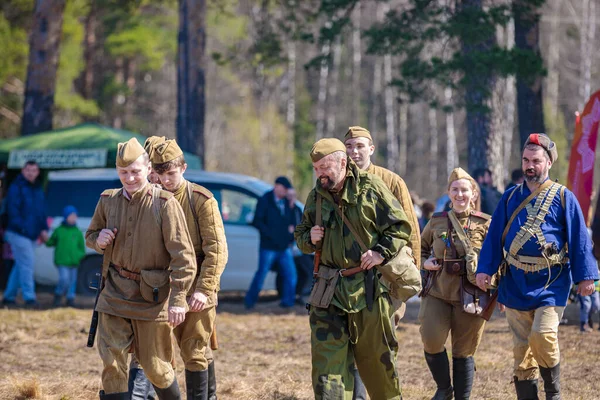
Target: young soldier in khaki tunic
point(208, 236)
point(360, 148)
point(355, 325)
point(143, 233)
point(441, 309)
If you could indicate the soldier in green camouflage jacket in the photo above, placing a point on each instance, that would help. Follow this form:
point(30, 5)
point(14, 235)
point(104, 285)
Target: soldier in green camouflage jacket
point(347, 331)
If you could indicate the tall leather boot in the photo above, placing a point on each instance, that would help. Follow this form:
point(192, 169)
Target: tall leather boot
point(360, 391)
point(212, 382)
point(526, 389)
point(139, 386)
point(170, 393)
point(463, 371)
point(440, 370)
point(114, 396)
point(196, 383)
point(551, 378)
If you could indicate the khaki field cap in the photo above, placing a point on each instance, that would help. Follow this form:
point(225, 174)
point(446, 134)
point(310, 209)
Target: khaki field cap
point(541, 139)
point(459, 173)
point(151, 142)
point(165, 152)
point(325, 147)
point(357, 131)
point(128, 152)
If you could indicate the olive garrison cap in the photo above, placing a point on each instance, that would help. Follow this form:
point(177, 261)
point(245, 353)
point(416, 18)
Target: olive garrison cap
point(128, 152)
point(459, 173)
point(151, 142)
point(165, 152)
point(357, 131)
point(541, 139)
point(325, 147)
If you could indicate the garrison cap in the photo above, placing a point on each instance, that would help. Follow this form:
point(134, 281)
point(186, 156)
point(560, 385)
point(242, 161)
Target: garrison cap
point(128, 152)
point(357, 131)
point(541, 139)
point(151, 142)
point(165, 152)
point(459, 173)
point(325, 147)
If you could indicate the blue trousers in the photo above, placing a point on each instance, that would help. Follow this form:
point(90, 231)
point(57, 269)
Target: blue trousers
point(287, 270)
point(67, 282)
point(588, 305)
point(21, 276)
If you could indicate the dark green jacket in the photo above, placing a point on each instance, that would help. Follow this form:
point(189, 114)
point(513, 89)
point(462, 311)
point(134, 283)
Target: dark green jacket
point(375, 213)
point(70, 246)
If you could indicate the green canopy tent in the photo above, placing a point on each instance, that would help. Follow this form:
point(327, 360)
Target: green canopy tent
point(86, 145)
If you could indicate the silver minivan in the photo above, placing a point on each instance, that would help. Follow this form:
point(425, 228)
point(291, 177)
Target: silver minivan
point(236, 194)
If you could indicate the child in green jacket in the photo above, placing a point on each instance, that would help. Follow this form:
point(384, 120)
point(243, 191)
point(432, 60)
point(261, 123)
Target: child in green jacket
point(70, 250)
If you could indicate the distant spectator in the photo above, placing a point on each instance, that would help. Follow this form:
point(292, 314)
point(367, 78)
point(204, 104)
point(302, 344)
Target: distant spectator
point(274, 221)
point(490, 196)
point(588, 306)
point(70, 250)
point(428, 210)
point(516, 178)
point(26, 222)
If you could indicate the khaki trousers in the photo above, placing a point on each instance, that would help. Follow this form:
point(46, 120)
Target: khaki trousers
point(193, 337)
point(438, 317)
point(152, 345)
point(535, 339)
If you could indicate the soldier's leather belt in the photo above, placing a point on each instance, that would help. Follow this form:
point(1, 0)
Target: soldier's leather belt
point(124, 273)
point(534, 264)
point(345, 272)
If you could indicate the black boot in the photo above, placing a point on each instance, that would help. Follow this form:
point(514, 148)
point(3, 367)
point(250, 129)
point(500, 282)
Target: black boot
point(526, 389)
point(139, 386)
point(463, 371)
point(440, 370)
point(196, 383)
point(114, 396)
point(212, 382)
point(551, 378)
point(170, 393)
point(360, 391)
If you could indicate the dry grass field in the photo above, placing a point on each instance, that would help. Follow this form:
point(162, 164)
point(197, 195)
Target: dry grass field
point(263, 355)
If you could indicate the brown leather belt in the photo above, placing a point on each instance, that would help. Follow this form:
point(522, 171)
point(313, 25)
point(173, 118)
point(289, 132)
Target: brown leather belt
point(134, 276)
point(351, 271)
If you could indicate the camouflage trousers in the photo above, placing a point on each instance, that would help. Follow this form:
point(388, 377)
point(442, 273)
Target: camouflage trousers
point(438, 317)
point(152, 345)
point(193, 336)
point(535, 339)
point(340, 339)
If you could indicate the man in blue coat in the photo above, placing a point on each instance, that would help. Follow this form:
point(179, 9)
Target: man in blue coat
point(25, 206)
point(275, 222)
point(546, 248)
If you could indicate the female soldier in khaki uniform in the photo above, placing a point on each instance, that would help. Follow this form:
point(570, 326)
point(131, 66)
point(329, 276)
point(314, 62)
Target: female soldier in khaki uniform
point(441, 308)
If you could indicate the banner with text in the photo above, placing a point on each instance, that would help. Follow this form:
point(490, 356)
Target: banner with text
point(58, 159)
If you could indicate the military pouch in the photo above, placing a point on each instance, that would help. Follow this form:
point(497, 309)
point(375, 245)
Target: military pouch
point(474, 300)
point(324, 287)
point(454, 266)
point(401, 275)
point(154, 285)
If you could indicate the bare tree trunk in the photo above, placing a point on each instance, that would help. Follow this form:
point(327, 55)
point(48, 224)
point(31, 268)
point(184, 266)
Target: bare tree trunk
point(401, 163)
point(509, 105)
point(356, 63)
point(529, 94)
point(390, 126)
point(291, 103)
point(553, 56)
point(322, 96)
point(191, 83)
point(451, 152)
point(332, 98)
point(588, 33)
point(119, 99)
point(44, 51)
point(433, 146)
point(89, 48)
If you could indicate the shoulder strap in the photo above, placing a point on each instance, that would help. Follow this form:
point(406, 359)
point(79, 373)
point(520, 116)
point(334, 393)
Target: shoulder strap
point(191, 200)
point(460, 232)
point(539, 190)
point(318, 217)
point(156, 205)
point(352, 229)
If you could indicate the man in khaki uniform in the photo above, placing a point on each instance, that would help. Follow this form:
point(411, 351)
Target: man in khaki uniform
point(360, 148)
point(150, 267)
point(208, 236)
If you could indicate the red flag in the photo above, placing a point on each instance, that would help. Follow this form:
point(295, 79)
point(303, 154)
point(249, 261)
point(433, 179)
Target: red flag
point(583, 152)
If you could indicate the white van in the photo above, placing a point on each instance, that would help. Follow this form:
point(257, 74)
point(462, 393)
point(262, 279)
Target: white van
point(236, 194)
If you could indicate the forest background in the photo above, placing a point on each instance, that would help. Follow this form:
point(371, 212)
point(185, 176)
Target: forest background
point(438, 83)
